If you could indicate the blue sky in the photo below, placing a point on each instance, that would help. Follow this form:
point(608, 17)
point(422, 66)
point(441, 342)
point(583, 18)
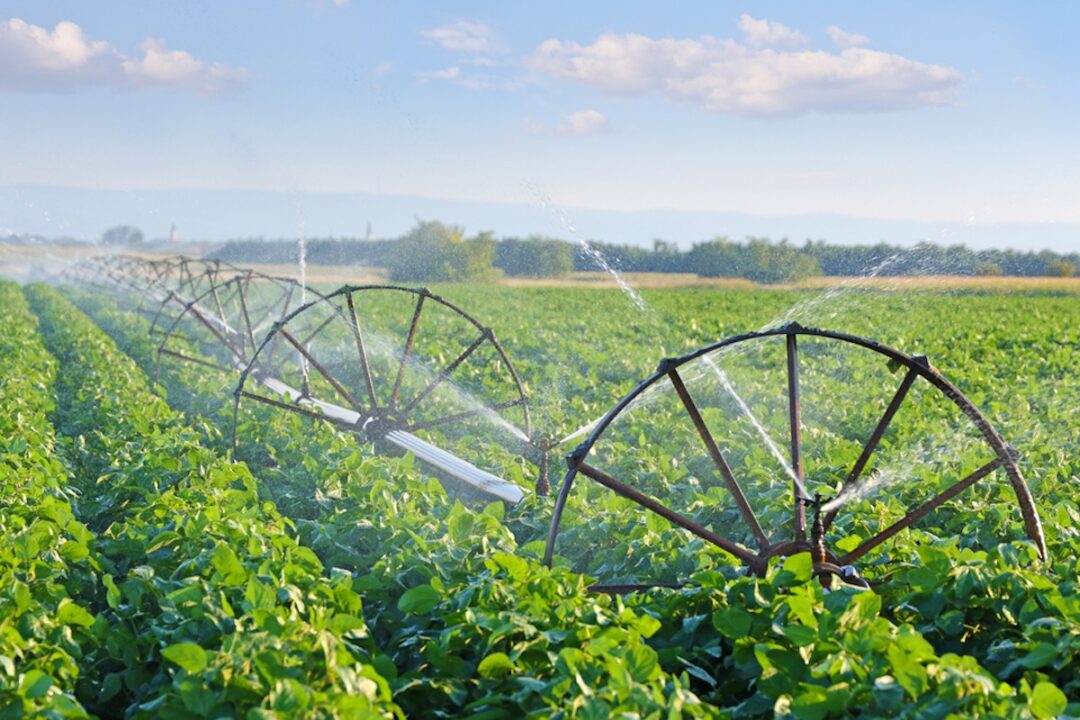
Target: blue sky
point(934, 112)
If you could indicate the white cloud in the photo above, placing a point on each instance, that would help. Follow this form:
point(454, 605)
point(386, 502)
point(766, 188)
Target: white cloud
point(160, 66)
point(476, 83)
point(732, 77)
point(766, 33)
point(584, 122)
point(846, 40)
point(450, 73)
point(384, 68)
point(34, 59)
point(340, 3)
point(461, 36)
point(534, 127)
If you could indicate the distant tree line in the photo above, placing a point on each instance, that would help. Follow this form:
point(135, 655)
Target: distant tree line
point(433, 251)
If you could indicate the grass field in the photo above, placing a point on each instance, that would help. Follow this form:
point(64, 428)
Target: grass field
point(313, 576)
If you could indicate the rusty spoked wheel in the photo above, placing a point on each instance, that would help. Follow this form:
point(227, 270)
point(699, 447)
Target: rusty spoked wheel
point(179, 281)
point(222, 327)
point(124, 273)
point(392, 363)
point(757, 526)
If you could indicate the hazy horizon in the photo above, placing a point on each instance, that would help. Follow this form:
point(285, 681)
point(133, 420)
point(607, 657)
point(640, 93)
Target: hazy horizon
point(220, 215)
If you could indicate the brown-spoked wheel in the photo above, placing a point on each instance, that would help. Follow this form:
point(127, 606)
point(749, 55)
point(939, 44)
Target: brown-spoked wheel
point(392, 363)
point(222, 327)
point(758, 542)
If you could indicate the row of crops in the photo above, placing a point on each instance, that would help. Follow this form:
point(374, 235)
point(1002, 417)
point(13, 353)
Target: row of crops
point(314, 577)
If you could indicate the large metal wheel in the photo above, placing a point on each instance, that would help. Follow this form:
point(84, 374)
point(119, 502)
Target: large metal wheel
point(178, 282)
point(393, 363)
point(754, 542)
point(222, 327)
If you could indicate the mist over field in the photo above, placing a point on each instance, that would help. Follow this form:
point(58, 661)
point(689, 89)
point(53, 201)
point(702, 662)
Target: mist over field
point(219, 215)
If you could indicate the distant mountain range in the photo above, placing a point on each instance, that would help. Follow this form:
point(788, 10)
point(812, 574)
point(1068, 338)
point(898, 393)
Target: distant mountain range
point(215, 215)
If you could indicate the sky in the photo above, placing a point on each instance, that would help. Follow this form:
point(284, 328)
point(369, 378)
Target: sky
point(959, 114)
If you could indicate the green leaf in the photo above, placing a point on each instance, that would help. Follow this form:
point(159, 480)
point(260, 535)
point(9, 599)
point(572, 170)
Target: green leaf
point(228, 565)
point(23, 599)
point(35, 684)
point(260, 595)
point(419, 600)
point(732, 622)
point(187, 655)
point(69, 613)
point(74, 551)
point(495, 665)
point(1041, 655)
point(908, 672)
point(801, 567)
point(641, 662)
point(800, 634)
point(343, 623)
point(802, 609)
point(1047, 701)
point(812, 703)
point(112, 593)
point(289, 696)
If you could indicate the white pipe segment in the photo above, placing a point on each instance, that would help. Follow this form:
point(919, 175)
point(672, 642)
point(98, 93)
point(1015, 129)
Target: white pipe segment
point(435, 456)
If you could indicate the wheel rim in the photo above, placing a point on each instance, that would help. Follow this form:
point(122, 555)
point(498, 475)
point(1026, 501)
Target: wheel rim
point(375, 386)
point(757, 554)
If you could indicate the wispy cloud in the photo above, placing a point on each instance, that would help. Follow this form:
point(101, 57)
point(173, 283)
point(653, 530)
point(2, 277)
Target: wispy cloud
point(846, 40)
point(766, 33)
point(461, 36)
point(585, 122)
point(582, 122)
point(755, 77)
point(450, 73)
point(35, 59)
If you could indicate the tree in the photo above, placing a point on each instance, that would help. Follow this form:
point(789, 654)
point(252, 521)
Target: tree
point(1061, 268)
point(534, 257)
point(435, 252)
point(988, 268)
point(759, 259)
point(122, 235)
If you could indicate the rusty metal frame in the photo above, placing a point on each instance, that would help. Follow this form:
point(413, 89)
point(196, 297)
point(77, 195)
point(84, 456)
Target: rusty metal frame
point(208, 310)
point(826, 561)
point(377, 419)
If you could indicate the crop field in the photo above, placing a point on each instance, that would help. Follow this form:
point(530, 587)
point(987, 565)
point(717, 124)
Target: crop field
point(174, 548)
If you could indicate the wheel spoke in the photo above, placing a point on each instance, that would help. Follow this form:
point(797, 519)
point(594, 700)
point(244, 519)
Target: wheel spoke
point(921, 511)
point(299, 410)
point(211, 326)
point(665, 512)
point(362, 351)
point(284, 312)
point(217, 301)
point(446, 372)
point(197, 361)
point(875, 438)
point(718, 459)
point(333, 314)
point(795, 421)
point(462, 415)
point(244, 308)
point(341, 389)
point(408, 348)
